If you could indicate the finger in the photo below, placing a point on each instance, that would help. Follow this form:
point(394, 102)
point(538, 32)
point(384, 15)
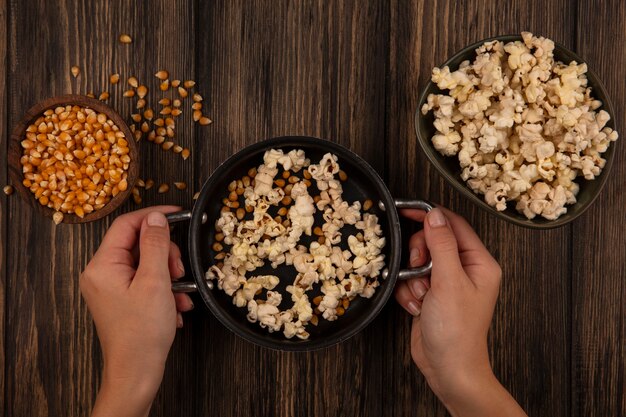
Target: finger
point(183, 302)
point(419, 287)
point(154, 248)
point(418, 251)
point(467, 238)
point(473, 253)
point(417, 244)
point(414, 214)
point(179, 320)
point(175, 263)
point(442, 244)
point(124, 230)
point(407, 300)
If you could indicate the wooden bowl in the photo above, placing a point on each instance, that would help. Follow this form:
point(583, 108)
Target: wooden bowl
point(15, 153)
point(450, 169)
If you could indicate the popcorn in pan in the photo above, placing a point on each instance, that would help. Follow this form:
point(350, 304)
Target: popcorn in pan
point(260, 239)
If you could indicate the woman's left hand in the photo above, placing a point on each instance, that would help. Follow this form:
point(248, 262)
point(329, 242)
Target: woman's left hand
point(127, 287)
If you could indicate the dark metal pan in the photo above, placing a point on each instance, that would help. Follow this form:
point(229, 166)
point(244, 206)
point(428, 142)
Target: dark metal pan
point(363, 183)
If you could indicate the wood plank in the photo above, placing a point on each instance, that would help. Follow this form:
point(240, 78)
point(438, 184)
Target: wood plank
point(172, 46)
point(599, 251)
point(529, 339)
point(54, 359)
point(4, 200)
point(43, 349)
point(307, 68)
point(51, 365)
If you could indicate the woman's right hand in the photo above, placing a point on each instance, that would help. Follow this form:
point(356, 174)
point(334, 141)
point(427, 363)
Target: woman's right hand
point(452, 313)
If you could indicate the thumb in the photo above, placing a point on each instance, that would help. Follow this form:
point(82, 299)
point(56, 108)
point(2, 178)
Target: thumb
point(442, 245)
point(154, 247)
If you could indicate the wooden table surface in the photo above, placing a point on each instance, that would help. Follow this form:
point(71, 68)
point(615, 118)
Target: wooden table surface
point(348, 71)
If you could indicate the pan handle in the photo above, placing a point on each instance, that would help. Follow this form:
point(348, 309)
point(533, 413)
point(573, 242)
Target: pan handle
point(178, 216)
point(181, 216)
point(184, 286)
point(407, 203)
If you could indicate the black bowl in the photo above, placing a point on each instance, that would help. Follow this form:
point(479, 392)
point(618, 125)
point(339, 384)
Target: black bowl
point(450, 169)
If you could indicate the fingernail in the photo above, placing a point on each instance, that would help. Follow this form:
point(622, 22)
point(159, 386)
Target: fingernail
point(436, 218)
point(414, 257)
point(179, 320)
point(192, 306)
point(419, 289)
point(413, 308)
point(181, 267)
point(157, 219)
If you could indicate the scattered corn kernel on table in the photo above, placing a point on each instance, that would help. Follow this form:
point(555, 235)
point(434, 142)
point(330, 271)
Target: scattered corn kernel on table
point(350, 71)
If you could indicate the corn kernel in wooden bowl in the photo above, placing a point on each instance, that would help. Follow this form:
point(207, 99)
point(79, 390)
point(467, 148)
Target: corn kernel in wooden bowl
point(73, 159)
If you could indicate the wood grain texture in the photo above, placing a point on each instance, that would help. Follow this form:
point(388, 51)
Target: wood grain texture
point(4, 49)
point(172, 47)
point(55, 359)
point(529, 339)
point(347, 71)
point(599, 249)
point(51, 365)
point(300, 68)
